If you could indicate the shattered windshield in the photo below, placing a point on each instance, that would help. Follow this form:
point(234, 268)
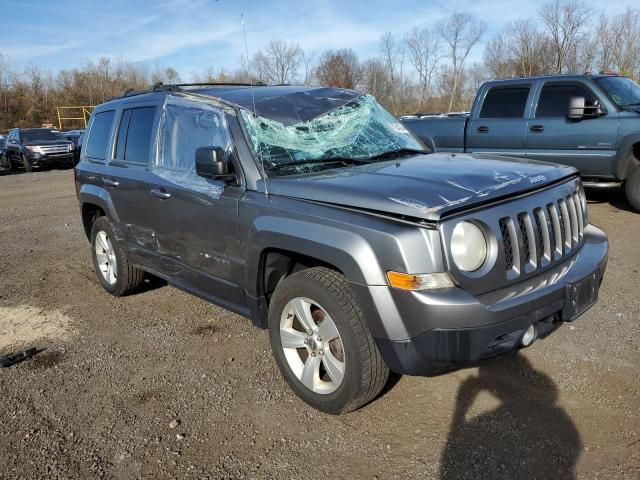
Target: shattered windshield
point(359, 131)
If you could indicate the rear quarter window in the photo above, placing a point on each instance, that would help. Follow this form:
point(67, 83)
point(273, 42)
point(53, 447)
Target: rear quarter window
point(505, 103)
point(96, 145)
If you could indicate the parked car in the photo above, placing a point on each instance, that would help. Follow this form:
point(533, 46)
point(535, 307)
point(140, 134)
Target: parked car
point(315, 213)
point(4, 163)
point(34, 147)
point(76, 137)
point(591, 122)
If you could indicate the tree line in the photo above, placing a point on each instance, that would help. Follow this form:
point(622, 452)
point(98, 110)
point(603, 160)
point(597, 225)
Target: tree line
point(428, 69)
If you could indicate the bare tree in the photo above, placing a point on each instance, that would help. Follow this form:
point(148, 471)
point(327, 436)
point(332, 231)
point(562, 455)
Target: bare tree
point(526, 45)
point(460, 32)
point(619, 45)
point(308, 59)
point(424, 54)
point(339, 68)
point(565, 20)
point(497, 59)
point(376, 80)
point(278, 63)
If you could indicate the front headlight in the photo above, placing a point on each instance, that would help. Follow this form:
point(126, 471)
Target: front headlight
point(35, 149)
point(468, 246)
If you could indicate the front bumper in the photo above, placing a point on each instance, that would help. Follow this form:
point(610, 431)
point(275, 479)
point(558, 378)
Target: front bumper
point(428, 332)
point(37, 159)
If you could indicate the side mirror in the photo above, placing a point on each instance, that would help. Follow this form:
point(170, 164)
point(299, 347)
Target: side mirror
point(212, 162)
point(576, 108)
point(13, 141)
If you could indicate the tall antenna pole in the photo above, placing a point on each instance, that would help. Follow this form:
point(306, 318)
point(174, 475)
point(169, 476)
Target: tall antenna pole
point(255, 110)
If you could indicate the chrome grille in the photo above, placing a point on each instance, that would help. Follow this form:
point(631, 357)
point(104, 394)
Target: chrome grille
point(54, 149)
point(533, 239)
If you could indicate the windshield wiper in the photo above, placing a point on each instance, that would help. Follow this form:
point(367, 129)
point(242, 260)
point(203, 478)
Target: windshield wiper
point(635, 104)
point(398, 153)
point(318, 161)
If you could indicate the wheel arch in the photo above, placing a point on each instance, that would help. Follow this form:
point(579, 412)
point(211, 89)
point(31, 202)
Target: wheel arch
point(94, 203)
point(628, 158)
point(275, 253)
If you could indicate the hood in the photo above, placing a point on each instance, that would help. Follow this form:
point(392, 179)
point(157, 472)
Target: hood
point(423, 186)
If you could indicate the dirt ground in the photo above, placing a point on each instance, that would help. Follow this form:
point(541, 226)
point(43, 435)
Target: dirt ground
point(117, 374)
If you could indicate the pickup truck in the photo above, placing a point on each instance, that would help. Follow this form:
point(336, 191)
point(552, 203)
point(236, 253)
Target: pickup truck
point(590, 122)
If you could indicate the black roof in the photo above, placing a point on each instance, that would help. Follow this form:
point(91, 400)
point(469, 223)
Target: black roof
point(284, 103)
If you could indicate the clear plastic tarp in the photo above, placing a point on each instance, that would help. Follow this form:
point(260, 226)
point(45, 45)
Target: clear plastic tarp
point(359, 129)
point(186, 125)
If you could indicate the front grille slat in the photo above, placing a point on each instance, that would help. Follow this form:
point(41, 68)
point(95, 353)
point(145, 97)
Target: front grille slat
point(578, 204)
point(566, 225)
point(546, 234)
point(573, 216)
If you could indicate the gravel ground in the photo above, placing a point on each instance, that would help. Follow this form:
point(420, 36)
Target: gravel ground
point(164, 385)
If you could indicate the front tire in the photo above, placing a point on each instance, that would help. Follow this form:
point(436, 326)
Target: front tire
point(632, 189)
point(321, 342)
point(115, 272)
point(26, 164)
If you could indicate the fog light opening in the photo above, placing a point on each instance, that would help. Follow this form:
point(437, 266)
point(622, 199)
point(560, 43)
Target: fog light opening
point(529, 336)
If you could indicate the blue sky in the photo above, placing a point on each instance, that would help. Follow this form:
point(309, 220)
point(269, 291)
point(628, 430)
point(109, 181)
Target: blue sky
point(192, 35)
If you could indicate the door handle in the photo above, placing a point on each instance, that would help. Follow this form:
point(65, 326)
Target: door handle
point(110, 182)
point(483, 130)
point(160, 193)
point(537, 128)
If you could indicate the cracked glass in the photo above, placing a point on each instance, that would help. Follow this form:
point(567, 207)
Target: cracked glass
point(354, 133)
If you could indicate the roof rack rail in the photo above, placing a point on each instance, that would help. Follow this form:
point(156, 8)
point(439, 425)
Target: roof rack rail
point(218, 84)
point(175, 87)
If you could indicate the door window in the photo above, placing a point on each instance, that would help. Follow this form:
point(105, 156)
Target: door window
point(186, 126)
point(96, 145)
point(554, 100)
point(505, 103)
point(135, 135)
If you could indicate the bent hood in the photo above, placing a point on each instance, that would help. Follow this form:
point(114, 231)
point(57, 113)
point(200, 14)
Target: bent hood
point(423, 186)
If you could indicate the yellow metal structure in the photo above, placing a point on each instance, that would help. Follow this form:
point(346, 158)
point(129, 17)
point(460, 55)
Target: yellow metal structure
point(79, 113)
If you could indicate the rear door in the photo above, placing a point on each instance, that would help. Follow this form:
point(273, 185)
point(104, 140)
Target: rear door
point(127, 176)
point(500, 125)
point(587, 144)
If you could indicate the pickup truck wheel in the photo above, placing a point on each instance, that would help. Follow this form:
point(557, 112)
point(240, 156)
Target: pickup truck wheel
point(26, 164)
point(632, 189)
point(321, 342)
point(116, 274)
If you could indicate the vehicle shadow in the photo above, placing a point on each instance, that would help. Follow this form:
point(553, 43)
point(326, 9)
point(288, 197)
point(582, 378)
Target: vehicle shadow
point(528, 435)
point(613, 196)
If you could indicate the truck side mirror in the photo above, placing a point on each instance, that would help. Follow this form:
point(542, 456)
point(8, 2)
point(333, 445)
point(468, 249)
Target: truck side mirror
point(576, 108)
point(212, 162)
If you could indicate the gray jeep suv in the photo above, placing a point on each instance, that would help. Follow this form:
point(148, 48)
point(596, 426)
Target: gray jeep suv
point(316, 214)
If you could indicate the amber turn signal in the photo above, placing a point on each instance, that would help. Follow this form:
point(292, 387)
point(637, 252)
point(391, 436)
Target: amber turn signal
point(427, 281)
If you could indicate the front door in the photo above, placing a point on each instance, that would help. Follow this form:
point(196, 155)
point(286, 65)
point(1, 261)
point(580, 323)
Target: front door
point(587, 144)
point(196, 218)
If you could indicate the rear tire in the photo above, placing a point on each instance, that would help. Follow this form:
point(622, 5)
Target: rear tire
point(632, 189)
point(115, 272)
point(348, 370)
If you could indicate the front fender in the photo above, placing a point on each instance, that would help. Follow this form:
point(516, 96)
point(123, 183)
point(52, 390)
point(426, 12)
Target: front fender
point(346, 250)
